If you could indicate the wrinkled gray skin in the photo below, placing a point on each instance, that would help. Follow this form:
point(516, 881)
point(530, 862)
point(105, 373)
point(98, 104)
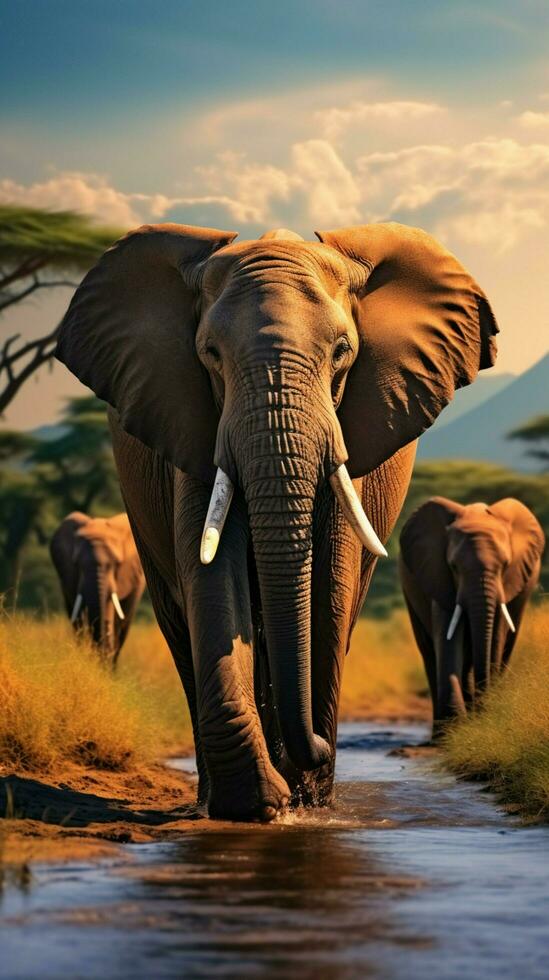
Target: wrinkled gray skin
point(477, 556)
point(95, 557)
point(275, 360)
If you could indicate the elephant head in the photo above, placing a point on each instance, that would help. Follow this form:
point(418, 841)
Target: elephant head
point(98, 566)
point(473, 561)
point(276, 365)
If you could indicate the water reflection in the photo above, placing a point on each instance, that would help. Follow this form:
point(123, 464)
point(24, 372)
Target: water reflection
point(268, 901)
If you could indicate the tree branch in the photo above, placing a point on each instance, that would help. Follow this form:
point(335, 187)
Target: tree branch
point(13, 298)
point(27, 268)
point(41, 351)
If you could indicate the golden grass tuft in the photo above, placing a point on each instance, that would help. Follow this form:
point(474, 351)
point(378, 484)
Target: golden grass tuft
point(507, 742)
point(60, 705)
point(383, 675)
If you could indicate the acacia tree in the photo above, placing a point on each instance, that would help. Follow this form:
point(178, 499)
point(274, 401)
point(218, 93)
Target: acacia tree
point(76, 468)
point(41, 480)
point(536, 433)
point(40, 250)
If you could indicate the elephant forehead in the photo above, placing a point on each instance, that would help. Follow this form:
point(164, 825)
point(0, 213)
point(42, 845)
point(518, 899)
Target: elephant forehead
point(105, 544)
point(308, 264)
point(483, 532)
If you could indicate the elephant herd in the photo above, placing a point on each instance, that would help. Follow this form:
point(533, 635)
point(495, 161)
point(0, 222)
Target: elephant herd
point(265, 399)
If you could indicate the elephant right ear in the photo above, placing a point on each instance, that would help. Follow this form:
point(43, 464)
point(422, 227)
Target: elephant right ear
point(423, 545)
point(129, 335)
point(527, 543)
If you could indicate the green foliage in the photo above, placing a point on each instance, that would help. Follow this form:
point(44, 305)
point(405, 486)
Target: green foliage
point(77, 468)
point(42, 480)
point(38, 249)
point(58, 239)
point(535, 431)
point(467, 482)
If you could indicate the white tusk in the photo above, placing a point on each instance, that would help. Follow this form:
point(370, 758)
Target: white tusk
point(76, 607)
point(459, 703)
point(507, 617)
point(220, 501)
point(117, 606)
point(348, 500)
point(454, 621)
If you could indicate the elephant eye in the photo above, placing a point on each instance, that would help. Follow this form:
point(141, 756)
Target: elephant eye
point(212, 352)
point(341, 350)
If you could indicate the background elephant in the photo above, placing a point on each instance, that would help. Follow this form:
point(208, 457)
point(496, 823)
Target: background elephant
point(266, 366)
point(467, 573)
point(101, 577)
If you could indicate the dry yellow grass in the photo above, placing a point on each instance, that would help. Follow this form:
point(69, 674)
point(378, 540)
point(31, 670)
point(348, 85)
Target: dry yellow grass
point(60, 705)
point(507, 742)
point(383, 675)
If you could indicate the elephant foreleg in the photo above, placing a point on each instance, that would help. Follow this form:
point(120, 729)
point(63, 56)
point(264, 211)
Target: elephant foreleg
point(243, 782)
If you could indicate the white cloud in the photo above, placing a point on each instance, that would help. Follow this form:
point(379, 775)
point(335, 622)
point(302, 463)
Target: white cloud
point(335, 120)
point(88, 193)
point(488, 192)
point(332, 194)
point(92, 194)
point(534, 120)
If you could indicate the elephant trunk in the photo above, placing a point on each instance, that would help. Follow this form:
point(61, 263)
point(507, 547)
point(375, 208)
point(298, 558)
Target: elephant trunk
point(280, 469)
point(100, 611)
point(482, 610)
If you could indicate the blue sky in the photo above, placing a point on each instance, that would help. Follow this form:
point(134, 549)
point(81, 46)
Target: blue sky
point(307, 114)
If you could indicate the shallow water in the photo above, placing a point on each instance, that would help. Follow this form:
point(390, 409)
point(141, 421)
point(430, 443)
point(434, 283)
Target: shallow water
point(409, 875)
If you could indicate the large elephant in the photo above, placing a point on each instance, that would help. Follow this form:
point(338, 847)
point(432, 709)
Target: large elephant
point(467, 573)
point(101, 577)
point(294, 377)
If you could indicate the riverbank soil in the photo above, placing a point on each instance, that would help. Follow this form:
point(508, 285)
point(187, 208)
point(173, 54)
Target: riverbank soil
point(84, 813)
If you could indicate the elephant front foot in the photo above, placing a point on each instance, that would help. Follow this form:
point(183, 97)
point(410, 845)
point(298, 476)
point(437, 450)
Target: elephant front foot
point(313, 789)
point(258, 793)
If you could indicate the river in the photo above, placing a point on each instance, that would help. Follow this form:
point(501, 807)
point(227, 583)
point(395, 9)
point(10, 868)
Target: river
point(410, 874)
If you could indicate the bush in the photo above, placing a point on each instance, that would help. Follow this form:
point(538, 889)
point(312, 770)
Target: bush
point(60, 705)
point(507, 742)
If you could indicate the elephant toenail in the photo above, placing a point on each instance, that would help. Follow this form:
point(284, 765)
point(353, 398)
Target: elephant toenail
point(268, 813)
point(284, 801)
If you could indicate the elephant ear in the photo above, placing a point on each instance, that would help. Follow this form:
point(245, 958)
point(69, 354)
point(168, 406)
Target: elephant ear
point(132, 561)
point(129, 336)
point(423, 545)
point(527, 543)
point(425, 329)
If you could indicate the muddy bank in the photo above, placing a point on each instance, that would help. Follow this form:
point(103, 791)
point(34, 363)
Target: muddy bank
point(81, 813)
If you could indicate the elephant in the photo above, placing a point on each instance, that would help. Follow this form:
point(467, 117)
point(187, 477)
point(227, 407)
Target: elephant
point(467, 572)
point(265, 397)
point(101, 577)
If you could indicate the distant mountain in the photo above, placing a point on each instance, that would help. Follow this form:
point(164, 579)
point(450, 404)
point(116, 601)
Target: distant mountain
point(485, 387)
point(480, 432)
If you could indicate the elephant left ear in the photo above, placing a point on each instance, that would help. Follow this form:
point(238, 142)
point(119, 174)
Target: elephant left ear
point(425, 329)
point(527, 544)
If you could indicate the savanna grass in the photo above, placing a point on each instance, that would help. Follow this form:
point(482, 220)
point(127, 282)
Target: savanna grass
point(383, 675)
point(507, 741)
point(58, 704)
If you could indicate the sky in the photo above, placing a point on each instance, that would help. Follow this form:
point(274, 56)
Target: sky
point(307, 114)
